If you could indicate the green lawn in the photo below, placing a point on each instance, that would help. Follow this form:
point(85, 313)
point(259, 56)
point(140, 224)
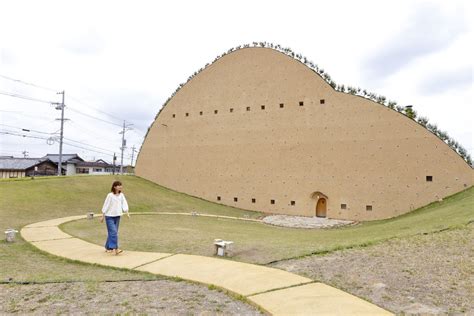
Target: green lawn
point(27, 201)
point(261, 243)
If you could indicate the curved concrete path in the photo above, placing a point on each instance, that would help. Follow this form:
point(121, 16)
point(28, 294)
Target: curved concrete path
point(276, 291)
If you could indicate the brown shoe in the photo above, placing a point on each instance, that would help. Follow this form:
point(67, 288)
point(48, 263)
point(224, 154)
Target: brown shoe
point(118, 251)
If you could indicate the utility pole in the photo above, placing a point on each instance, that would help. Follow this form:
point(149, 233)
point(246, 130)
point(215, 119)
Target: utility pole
point(124, 143)
point(133, 152)
point(115, 158)
point(60, 106)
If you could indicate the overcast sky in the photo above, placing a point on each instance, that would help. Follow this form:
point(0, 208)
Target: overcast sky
point(120, 60)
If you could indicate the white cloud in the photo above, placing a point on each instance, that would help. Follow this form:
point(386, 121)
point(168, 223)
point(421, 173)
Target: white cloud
point(125, 58)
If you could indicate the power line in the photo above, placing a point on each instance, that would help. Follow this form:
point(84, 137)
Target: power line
point(28, 130)
point(92, 117)
point(90, 132)
point(21, 135)
point(94, 108)
point(75, 141)
point(20, 113)
point(71, 140)
point(53, 90)
point(24, 97)
point(27, 83)
point(103, 112)
point(34, 136)
point(44, 138)
point(88, 149)
point(73, 98)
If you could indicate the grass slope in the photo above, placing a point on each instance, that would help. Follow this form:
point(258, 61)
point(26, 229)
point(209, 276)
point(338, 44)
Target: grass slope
point(28, 201)
point(261, 243)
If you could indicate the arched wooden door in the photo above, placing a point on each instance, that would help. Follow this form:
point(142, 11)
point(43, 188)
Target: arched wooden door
point(321, 208)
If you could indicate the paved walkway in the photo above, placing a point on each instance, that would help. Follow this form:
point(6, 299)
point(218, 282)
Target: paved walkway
point(276, 291)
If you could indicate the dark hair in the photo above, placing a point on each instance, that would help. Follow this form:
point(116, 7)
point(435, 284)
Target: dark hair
point(116, 183)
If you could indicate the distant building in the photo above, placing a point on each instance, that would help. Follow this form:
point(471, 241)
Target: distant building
point(76, 165)
point(11, 167)
point(68, 161)
point(95, 167)
point(72, 164)
point(128, 169)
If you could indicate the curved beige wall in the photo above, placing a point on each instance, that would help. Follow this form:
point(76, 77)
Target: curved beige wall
point(354, 151)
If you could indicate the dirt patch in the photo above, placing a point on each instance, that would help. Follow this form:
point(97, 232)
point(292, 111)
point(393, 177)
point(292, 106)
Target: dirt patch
point(304, 221)
point(426, 274)
point(144, 297)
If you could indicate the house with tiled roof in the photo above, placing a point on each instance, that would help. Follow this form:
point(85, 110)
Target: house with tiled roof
point(11, 167)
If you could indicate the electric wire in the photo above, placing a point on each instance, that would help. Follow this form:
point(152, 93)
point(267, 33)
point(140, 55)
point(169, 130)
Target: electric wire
point(54, 133)
point(94, 108)
point(93, 117)
point(24, 97)
point(69, 144)
point(20, 113)
point(69, 96)
point(28, 130)
point(21, 135)
point(75, 141)
point(27, 83)
point(72, 145)
point(85, 130)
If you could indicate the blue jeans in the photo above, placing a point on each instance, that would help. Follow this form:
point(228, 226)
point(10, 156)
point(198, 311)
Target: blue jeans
point(112, 232)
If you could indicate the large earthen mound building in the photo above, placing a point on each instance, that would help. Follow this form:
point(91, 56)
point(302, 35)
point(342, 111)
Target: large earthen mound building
point(261, 131)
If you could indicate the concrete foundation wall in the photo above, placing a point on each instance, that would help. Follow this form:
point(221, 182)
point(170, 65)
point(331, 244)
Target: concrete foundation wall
point(354, 151)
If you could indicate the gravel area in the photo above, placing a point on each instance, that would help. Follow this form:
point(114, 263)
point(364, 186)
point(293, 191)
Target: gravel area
point(304, 222)
point(425, 274)
point(111, 298)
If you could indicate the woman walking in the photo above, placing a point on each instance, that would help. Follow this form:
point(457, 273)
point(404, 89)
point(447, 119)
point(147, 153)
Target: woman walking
point(114, 206)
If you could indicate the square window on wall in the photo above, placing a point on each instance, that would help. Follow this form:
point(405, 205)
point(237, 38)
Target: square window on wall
point(236, 199)
point(343, 206)
point(368, 207)
point(272, 201)
point(293, 203)
point(253, 200)
point(429, 178)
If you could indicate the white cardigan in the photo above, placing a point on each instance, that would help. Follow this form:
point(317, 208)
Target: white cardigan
point(115, 205)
